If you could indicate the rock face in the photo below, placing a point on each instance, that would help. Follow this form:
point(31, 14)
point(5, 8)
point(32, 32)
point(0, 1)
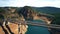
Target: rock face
point(12, 17)
point(30, 14)
point(25, 13)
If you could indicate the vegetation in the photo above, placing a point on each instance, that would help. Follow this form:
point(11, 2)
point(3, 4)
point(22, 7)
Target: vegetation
point(48, 10)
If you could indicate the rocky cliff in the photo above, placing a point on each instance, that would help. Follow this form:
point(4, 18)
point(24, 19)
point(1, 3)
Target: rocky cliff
point(24, 13)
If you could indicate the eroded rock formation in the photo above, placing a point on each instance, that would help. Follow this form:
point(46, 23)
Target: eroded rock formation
point(23, 14)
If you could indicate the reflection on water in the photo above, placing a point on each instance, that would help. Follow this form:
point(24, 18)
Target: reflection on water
point(37, 30)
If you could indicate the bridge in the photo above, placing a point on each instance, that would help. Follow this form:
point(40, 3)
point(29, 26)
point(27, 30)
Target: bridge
point(39, 24)
point(35, 24)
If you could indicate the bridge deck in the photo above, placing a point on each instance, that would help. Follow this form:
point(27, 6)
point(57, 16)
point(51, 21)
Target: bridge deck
point(36, 24)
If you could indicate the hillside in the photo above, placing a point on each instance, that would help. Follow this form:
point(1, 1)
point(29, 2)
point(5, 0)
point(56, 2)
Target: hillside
point(43, 10)
point(36, 10)
point(50, 10)
point(31, 13)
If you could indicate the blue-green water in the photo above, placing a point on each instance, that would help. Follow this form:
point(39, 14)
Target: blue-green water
point(37, 29)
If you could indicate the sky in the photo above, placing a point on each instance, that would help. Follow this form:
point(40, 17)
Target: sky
point(35, 3)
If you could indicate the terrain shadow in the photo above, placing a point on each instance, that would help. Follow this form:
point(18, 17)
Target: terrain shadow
point(8, 28)
point(4, 29)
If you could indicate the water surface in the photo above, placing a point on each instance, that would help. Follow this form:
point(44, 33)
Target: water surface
point(37, 29)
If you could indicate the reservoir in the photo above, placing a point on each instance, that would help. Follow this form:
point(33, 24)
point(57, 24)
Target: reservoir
point(37, 29)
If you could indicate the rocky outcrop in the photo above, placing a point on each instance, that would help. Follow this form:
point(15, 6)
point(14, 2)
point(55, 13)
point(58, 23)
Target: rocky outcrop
point(25, 13)
point(30, 14)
